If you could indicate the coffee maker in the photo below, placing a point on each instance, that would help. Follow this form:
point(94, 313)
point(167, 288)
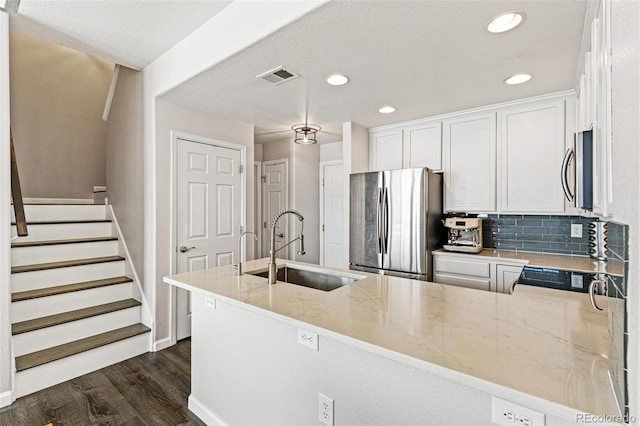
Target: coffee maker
point(463, 234)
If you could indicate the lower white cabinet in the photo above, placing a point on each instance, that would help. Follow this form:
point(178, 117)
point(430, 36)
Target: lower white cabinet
point(480, 273)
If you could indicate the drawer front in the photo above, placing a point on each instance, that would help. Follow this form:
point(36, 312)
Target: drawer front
point(463, 267)
point(461, 281)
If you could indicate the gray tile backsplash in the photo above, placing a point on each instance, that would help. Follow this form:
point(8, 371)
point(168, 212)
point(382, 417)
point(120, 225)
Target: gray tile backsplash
point(546, 234)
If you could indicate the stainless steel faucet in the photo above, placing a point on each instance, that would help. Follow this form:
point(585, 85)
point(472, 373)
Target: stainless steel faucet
point(272, 250)
point(255, 237)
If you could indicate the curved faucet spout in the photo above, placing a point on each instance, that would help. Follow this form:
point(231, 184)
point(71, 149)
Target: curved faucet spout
point(273, 250)
point(255, 237)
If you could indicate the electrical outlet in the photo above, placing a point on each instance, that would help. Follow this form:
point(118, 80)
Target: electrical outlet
point(576, 230)
point(506, 413)
point(307, 338)
point(325, 409)
point(210, 302)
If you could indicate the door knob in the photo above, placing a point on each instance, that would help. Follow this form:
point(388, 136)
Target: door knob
point(281, 235)
point(185, 249)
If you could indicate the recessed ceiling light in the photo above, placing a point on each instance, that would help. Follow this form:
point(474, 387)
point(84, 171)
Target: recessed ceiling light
point(518, 79)
point(337, 79)
point(505, 22)
point(387, 109)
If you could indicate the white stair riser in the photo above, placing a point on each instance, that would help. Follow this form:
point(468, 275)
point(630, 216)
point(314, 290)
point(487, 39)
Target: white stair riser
point(52, 373)
point(44, 306)
point(62, 252)
point(49, 213)
point(44, 338)
point(52, 277)
point(61, 231)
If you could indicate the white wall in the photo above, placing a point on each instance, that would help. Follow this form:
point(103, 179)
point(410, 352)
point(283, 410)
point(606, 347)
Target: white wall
point(173, 117)
point(124, 164)
point(306, 198)
point(5, 218)
point(625, 111)
point(257, 152)
point(331, 151)
point(57, 100)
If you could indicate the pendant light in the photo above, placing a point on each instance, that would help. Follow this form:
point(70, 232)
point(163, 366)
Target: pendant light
point(305, 134)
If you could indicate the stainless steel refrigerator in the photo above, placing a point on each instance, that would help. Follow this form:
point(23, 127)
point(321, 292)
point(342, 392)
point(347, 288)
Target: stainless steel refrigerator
point(395, 222)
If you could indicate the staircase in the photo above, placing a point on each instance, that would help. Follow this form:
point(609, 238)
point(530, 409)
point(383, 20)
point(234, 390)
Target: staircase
point(73, 308)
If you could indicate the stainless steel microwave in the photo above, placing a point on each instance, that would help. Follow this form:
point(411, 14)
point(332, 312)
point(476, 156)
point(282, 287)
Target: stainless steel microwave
point(583, 146)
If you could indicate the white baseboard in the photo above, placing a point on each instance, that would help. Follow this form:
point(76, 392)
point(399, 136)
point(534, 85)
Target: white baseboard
point(161, 344)
point(203, 413)
point(58, 200)
point(6, 398)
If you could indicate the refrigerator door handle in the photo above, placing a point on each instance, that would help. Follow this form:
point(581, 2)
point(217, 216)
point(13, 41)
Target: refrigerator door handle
point(386, 220)
point(379, 221)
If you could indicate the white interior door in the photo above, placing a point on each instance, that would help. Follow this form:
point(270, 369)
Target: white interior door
point(208, 214)
point(274, 195)
point(257, 203)
point(332, 214)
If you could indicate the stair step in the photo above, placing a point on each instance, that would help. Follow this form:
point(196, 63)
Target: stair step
point(64, 264)
point(56, 242)
point(55, 353)
point(64, 222)
point(52, 320)
point(61, 289)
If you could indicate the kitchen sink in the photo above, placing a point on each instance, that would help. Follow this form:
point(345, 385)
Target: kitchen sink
point(313, 279)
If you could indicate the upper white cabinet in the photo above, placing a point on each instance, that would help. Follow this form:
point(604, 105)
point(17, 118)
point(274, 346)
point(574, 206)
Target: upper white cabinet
point(531, 151)
point(594, 106)
point(422, 144)
point(386, 150)
point(470, 163)
point(414, 146)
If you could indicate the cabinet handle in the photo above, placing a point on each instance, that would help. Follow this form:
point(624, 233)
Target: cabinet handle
point(592, 297)
point(566, 162)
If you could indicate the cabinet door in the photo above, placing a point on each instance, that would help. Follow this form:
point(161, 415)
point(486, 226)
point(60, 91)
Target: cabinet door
point(506, 277)
point(470, 165)
point(531, 157)
point(423, 146)
point(386, 150)
point(463, 281)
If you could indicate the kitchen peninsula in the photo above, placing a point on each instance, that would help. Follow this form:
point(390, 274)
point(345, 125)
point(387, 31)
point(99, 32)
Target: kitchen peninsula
point(391, 350)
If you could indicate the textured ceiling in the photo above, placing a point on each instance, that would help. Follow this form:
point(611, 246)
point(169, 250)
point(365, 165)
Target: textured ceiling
point(129, 32)
point(423, 57)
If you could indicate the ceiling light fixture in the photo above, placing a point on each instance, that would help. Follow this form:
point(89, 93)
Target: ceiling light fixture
point(505, 22)
point(386, 110)
point(518, 79)
point(337, 79)
point(305, 134)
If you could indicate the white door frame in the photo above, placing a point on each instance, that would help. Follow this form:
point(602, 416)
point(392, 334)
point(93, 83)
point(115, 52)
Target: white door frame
point(322, 165)
point(266, 234)
point(257, 184)
point(173, 258)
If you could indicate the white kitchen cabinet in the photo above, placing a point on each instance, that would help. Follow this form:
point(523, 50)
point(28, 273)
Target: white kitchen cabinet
point(422, 145)
point(594, 107)
point(531, 151)
point(414, 146)
point(506, 277)
point(386, 150)
point(473, 271)
point(470, 163)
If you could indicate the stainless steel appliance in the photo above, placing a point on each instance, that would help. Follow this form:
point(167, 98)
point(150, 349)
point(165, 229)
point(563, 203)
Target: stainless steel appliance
point(395, 222)
point(598, 240)
point(463, 234)
point(584, 170)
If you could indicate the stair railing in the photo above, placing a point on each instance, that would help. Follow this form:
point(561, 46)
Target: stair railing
point(16, 193)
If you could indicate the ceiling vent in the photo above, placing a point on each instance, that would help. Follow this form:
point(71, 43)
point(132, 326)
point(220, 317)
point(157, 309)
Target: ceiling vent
point(278, 75)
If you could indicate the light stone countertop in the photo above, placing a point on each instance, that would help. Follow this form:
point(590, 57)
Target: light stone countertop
point(545, 260)
point(546, 349)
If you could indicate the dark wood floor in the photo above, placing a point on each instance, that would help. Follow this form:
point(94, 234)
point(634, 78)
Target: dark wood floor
point(151, 389)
